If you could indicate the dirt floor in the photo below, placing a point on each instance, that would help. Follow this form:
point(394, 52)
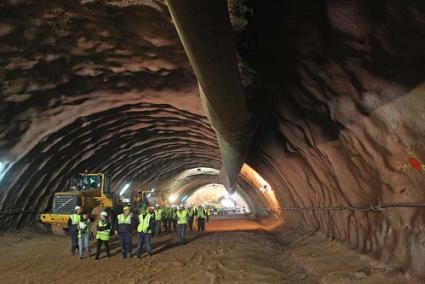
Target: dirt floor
point(232, 251)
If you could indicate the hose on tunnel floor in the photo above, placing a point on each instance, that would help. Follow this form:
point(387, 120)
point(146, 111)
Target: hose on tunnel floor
point(376, 208)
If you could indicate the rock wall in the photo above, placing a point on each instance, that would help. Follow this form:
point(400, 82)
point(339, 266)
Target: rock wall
point(96, 86)
point(336, 88)
point(339, 94)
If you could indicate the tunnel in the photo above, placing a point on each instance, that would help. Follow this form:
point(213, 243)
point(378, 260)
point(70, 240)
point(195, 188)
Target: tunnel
point(309, 113)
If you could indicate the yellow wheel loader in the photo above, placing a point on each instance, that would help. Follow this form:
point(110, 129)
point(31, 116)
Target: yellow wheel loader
point(90, 191)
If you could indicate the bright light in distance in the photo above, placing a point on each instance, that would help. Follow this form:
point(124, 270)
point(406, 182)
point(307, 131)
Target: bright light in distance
point(149, 195)
point(125, 188)
point(153, 189)
point(226, 202)
point(184, 198)
point(3, 169)
point(172, 198)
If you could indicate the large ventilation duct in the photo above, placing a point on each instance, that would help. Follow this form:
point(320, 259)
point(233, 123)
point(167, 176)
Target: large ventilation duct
point(205, 31)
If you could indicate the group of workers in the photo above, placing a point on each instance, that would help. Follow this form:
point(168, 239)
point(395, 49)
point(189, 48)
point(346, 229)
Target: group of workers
point(147, 223)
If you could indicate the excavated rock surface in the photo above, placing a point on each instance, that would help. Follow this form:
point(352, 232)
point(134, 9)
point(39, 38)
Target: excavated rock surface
point(101, 87)
point(336, 87)
point(340, 99)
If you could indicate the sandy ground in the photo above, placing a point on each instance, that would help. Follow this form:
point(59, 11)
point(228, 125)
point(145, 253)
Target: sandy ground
point(232, 251)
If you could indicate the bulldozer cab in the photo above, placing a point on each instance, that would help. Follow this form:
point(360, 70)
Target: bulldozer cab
point(92, 185)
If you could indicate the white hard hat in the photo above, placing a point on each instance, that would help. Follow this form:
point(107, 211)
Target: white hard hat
point(104, 213)
point(157, 205)
point(82, 225)
point(181, 205)
point(77, 207)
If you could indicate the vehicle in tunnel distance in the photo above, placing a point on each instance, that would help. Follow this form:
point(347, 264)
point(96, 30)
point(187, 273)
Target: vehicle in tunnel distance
point(91, 191)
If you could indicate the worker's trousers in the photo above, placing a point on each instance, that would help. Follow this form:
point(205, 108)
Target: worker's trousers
point(145, 239)
point(182, 230)
point(83, 243)
point(168, 225)
point(99, 246)
point(201, 224)
point(158, 227)
point(74, 240)
point(190, 222)
point(125, 243)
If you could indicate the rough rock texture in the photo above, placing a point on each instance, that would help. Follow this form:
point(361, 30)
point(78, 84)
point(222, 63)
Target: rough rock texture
point(340, 97)
point(98, 87)
point(336, 88)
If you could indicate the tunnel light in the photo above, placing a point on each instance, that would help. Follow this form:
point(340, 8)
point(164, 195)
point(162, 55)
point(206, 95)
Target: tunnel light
point(184, 198)
point(172, 198)
point(125, 188)
point(149, 195)
point(226, 202)
point(230, 196)
point(3, 169)
point(153, 189)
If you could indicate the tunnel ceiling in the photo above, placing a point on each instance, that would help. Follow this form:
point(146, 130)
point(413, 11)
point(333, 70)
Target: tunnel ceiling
point(335, 87)
point(98, 87)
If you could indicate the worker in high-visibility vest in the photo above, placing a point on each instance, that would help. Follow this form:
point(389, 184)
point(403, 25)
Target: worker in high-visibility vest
point(174, 220)
point(182, 215)
point(102, 235)
point(191, 212)
point(201, 215)
point(146, 223)
point(169, 217)
point(73, 221)
point(208, 213)
point(164, 218)
point(84, 234)
point(123, 229)
point(158, 218)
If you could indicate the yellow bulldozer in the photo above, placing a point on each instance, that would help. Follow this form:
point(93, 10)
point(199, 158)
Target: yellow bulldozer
point(90, 191)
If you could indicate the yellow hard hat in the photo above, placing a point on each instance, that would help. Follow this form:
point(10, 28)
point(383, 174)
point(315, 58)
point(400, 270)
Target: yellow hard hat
point(126, 208)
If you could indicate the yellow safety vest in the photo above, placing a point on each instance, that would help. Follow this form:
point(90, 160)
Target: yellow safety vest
point(144, 224)
point(158, 214)
point(122, 219)
point(191, 211)
point(201, 213)
point(75, 219)
point(182, 216)
point(102, 235)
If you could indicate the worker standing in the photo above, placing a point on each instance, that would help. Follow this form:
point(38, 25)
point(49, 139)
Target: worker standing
point(123, 228)
point(208, 213)
point(174, 218)
point(145, 227)
point(84, 235)
point(201, 216)
point(182, 215)
point(169, 216)
point(191, 213)
point(158, 218)
point(73, 221)
point(164, 218)
point(103, 232)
